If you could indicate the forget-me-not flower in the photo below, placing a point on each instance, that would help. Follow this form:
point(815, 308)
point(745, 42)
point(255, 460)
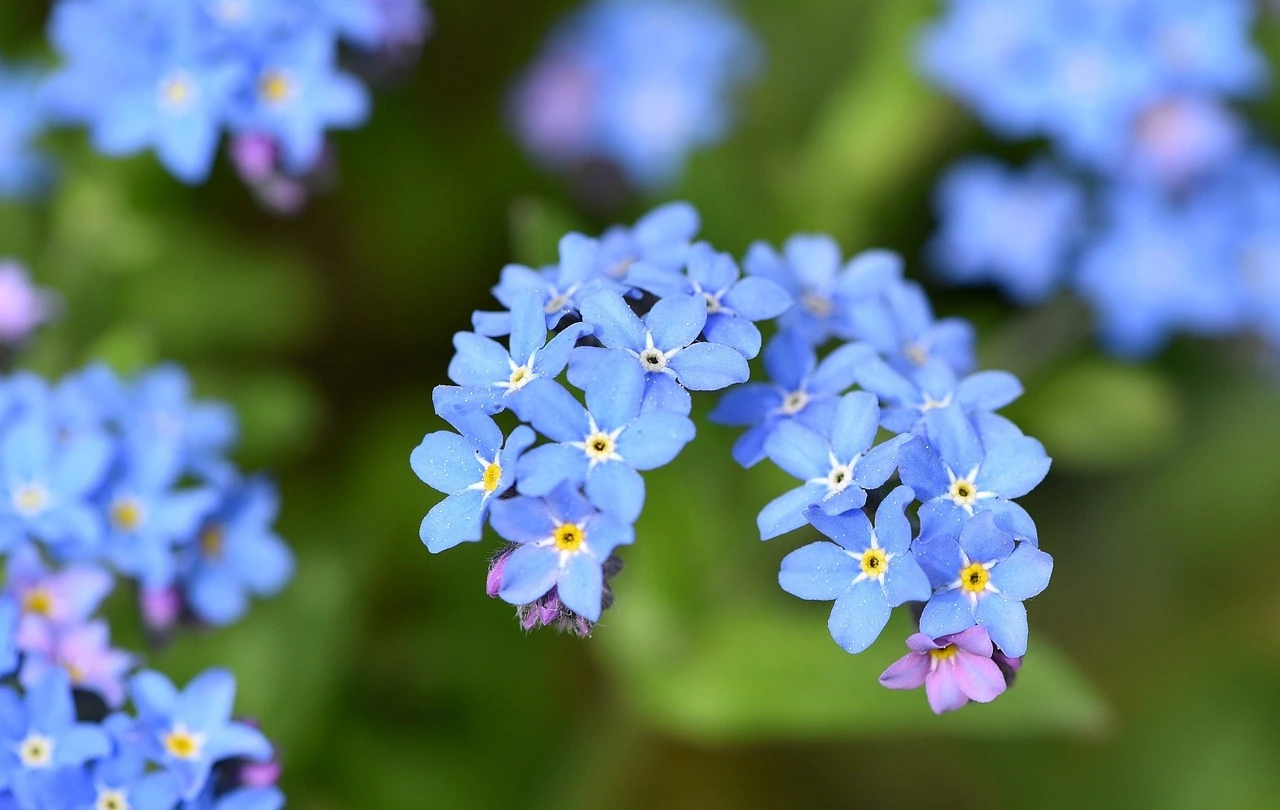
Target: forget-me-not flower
point(953, 670)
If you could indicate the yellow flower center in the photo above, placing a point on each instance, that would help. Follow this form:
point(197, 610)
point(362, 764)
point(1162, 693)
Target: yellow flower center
point(126, 515)
point(176, 92)
point(76, 673)
point(38, 601)
point(30, 499)
point(520, 377)
point(183, 744)
point(946, 652)
point(974, 579)
point(916, 353)
point(36, 751)
point(492, 476)
point(875, 562)
point(275, 87)
point(963, 492)
point(212, 541)
point(600, 446)
point(819, 305)
point(569, 537)
point(112, 800)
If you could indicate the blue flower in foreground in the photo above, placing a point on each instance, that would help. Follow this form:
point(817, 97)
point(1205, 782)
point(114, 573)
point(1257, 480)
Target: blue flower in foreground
point(563, 544)
point(900, 324)
point(472, 470)
point(237, 553)
point(958, 469)
point(187, 732)
point(561, 286)
point(978, 199)
point(45, 484)
point(870, 571)
point(733, 304)
point(482, 362)
point(981, 577)
point(802, 389)
point(604, 444)
point(661, 345)
point(40, 735)
point(23, 170)
point(836, 471)
point(810, 270)
point(123, 780)
point(910, 396)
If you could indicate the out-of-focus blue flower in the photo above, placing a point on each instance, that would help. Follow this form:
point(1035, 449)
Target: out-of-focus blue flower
point(640, 83)
point(958, 469)
point(906, 398)
point(563, 544)
point(268, 798)
point(1012, 229)
point(981, 577)
point(733, 304)
point(661, 239)
point(84, 652)
point(237, 554)
point(824, 289)
point(63, 597)
point(160, 408)
point(473, 470)
point(605, 444)
point(900, 324)
point(802, 389)
point(953, 670)
point(24, 171)
point(662, 345)
point(836, 470)
point(41, 736)
point(188, 731)
point(124, 778)
point(1157, 268)
point(867, 571)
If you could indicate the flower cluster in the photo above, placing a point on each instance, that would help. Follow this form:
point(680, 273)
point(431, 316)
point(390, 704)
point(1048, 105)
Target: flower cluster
point(641, 317)
point(24, 171)
point(636, 83)
point(154, 74)
point(1159, 211)
point(104, 477)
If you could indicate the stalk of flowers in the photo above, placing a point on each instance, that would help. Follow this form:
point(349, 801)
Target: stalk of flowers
point(173, 77)
point(1158, 206)
point(106, 478)
point(639, 318)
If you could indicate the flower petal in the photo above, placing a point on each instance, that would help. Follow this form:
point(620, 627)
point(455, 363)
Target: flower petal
point(858, 617)
point(818, 571)
point(528, 574)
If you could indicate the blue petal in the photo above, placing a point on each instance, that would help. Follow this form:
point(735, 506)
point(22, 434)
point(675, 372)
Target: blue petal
point(851, 497)
point(1006, 623)
point(216, 596)
point(456, 519)
point(868, 273)
point(1024, 574)
point(814, 259)
point(859, 616)
point(80, 743)
point(266, 564)
point(877, 466)
point(758, 299)
point(1013, 519)
point(714, 271)
point(521, 519)
point(50, 702)
point(528, 326)
point(153, 694)
point(905, 581)
point(478, 361)
point(983, 542)
point(659, 281)
point(746, 405)
point(851, 530)
point(789, 359)
point(857, 421)
point(748, 450)
point(615, 394)
point(616, 326)
point(615, 488)
point(988, 390)
point(818, 571)
point(1014, 468)
point(785, 513)
point(542, 469)
point(552, 358)
point(606, 534)
point(240, 741)
point(528, 574)
point(446, 462)
point(880, 378)
point(677, 321)
point(663, 393)
point(554, 412)
point(799, 450)
point(709, 367)
point(922, 470)
point(581, 586)
point(947, 612)
point(654, 439)
point(737, 333)
point(953, 437)
point(583, 362)
point(208, 699)
point(939, 557)
point(893, 530)
point(839, 370)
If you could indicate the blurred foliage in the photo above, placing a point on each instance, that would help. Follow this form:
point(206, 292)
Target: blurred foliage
point(392, 681)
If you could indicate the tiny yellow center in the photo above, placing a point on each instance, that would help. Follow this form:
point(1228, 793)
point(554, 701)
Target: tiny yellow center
point(599, 446)
point(519, 378)
point(275, 87)
point(182, 743)
point(176, 92)
point(30, 499)
point(38, 601)
point(212, 540)
point(556, 304)
point(819, 305)
point(36, 751)
point(974, 578)
point(492, 475)
point(112, 800)
point(916, 353)
point(126, 515)
point(569, 537)
point(963, 492)
point(875, 562)
point(946, 652)
point(77, 674)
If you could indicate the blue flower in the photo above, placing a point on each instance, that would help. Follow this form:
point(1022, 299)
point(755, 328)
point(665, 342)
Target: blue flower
point(868, 574)
point(906, 398)
point(733, 304)
point(24, 171)
point(958, 469)
point(484, 363)
point(978, 199)
point(562, 287)
point(472, 469)
point(981, 577)
point(604, 444)
point(563, 544)
point(245, 798)
point(45, 486)
point(160, 408)
point(237, 553)
point(802, 389)
point(900, 324)
point(659, 239)
point(810, 270)
point(836, 471)
point(123, 781)
point(661, 345)
point(187, 732)
point(40, 736)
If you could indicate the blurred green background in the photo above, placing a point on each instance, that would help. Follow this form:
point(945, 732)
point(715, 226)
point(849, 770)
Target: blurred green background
point(389, 678)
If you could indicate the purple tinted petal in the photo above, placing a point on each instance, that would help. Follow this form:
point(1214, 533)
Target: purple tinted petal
point(908, 672)
point(978, 677)
point(942, 690)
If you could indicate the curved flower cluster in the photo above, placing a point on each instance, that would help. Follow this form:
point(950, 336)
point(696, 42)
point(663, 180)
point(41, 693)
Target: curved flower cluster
point(103, 477)
point(173, 76)
point(1164, 223)
point(639, 84)
point(643, 316)
point(24, 171)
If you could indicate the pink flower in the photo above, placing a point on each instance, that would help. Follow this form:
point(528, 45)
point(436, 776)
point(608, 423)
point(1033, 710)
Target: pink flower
point(23, 305)
point(954, 669)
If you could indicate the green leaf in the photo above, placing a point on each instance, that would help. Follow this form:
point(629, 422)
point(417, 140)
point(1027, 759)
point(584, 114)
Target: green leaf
point(536, 227)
